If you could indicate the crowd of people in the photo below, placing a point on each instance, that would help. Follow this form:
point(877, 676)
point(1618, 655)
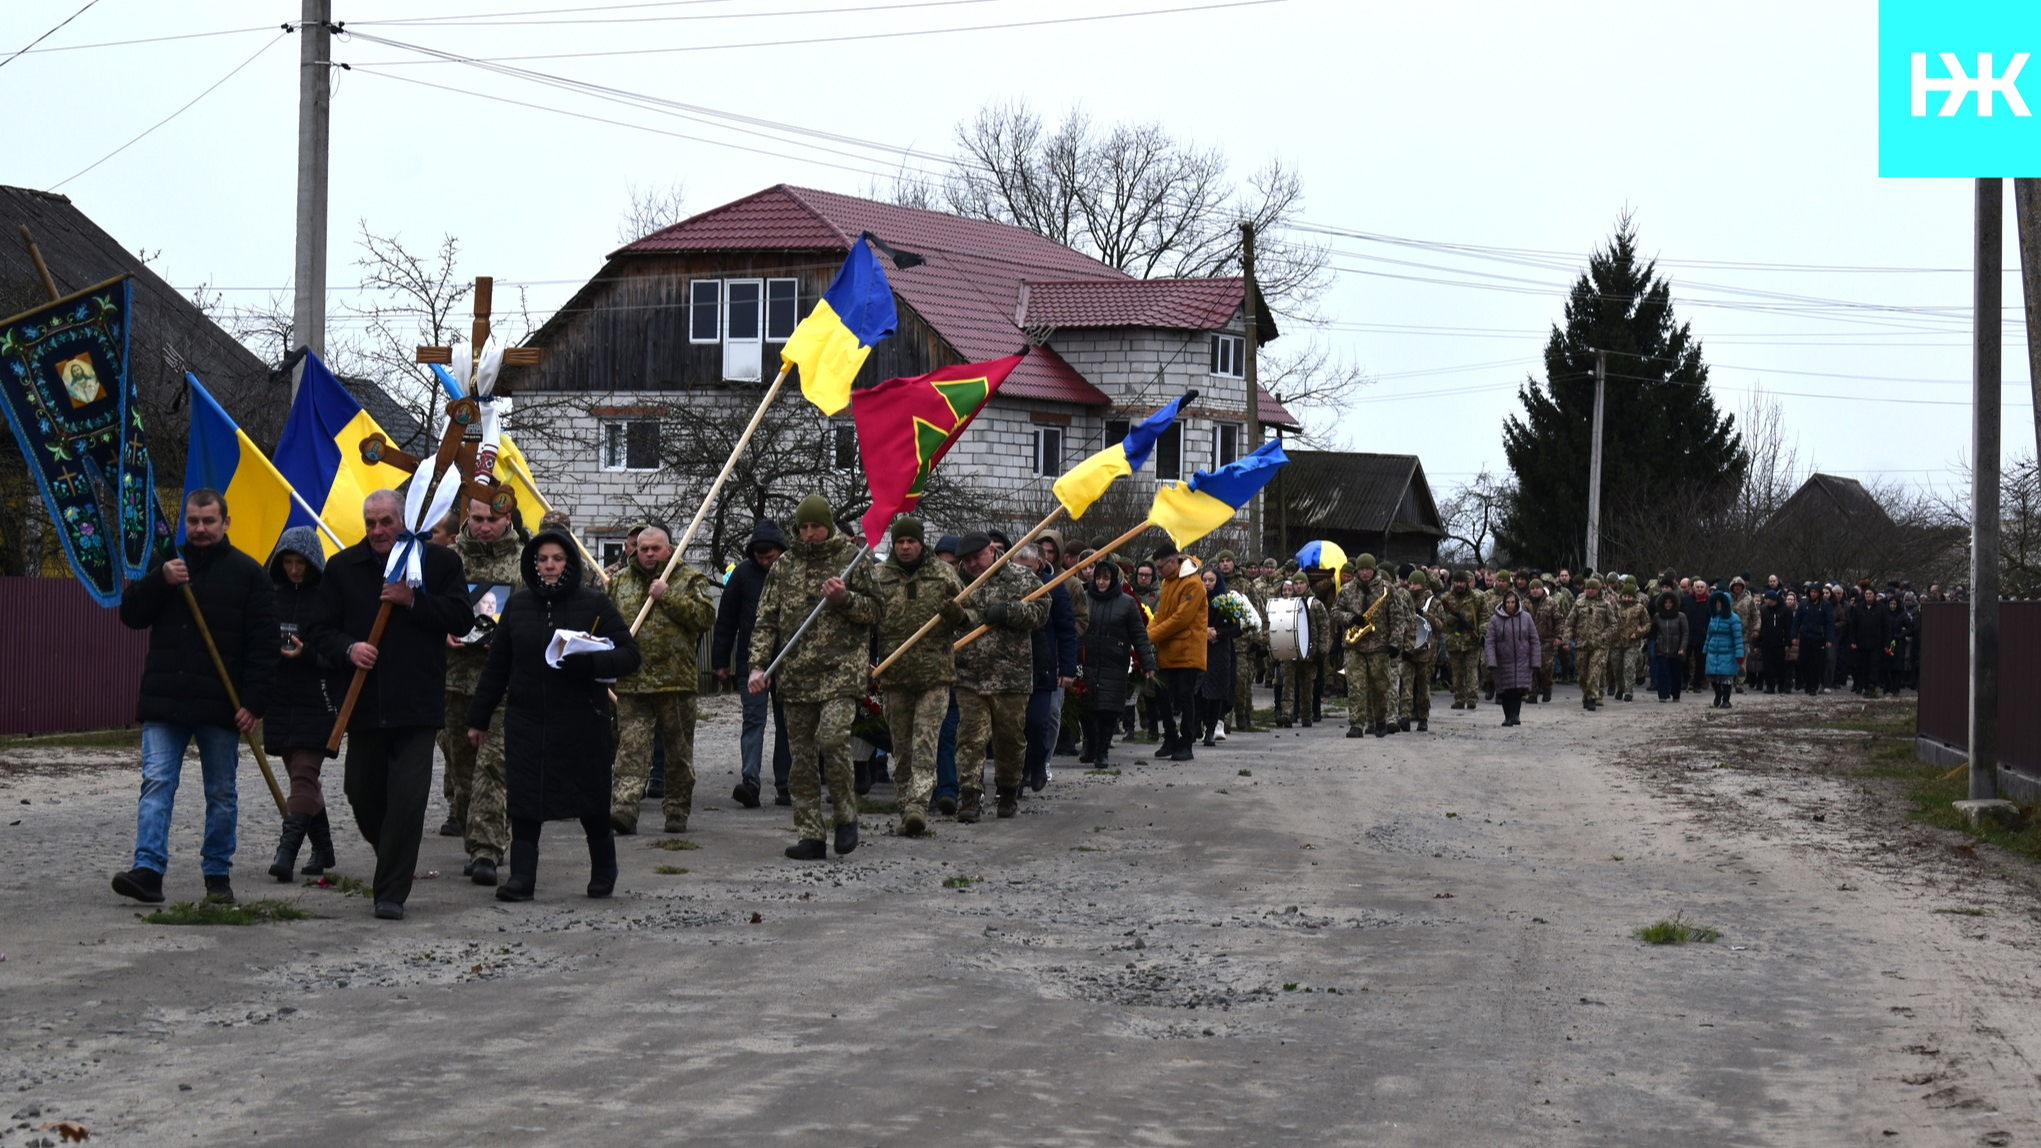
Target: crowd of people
point(577, 700)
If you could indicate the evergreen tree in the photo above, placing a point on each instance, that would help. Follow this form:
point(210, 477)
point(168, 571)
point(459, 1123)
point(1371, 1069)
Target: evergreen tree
point(1666, 450)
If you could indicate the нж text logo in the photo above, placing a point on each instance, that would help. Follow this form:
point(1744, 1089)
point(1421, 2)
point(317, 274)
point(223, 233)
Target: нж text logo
point(1958, 85)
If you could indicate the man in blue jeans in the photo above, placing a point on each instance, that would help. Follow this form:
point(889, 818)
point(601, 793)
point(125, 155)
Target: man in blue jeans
point(182, 698)
point(730, 650)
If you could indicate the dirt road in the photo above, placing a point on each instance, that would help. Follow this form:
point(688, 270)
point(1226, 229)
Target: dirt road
point(1297, 939)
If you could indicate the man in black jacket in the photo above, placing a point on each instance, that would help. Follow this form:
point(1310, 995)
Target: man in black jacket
point(182, 697)
point(731, 651)
point(403, 701)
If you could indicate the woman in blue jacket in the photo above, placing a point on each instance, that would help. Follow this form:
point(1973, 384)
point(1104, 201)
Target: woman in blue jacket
point(1723, 647)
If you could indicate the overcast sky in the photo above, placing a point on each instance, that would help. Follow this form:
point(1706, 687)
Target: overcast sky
point(1742, 135)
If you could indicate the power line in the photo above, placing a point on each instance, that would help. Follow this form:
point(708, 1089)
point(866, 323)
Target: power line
point(492, 20)
point(173, 115)
point(48, 34)
point(147, 39)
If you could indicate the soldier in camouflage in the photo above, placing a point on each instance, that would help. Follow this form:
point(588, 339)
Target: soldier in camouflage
point(1367, 661)
point(661, 695)
point(916, 688)
point(1590, 631)
point(995, 675)
point(473, 782)
point(1420, 661)
point(1460, 609)
point(824, 675)
point(1633, 626)
point(1545, 616)
point(1300, 677)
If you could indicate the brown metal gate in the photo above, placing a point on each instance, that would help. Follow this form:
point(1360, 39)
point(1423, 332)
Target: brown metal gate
point(1945, 680)
point(66, 663)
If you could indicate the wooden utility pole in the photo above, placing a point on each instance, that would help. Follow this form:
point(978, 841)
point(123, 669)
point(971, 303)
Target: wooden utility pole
point(2027, 208)
point(315, 106)
point(1250, 304)
point(1986, 325)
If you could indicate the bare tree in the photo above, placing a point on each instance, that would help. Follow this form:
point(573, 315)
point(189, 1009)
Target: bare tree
point(1471, 512)
point(1309, 381)
point(2020, 533)
point(652, 208)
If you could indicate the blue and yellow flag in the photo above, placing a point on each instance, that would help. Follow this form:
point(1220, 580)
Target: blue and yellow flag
point(1084, 483)
point(1191, 510)
point(224, 458)
point(319, 455)
point(831, 343)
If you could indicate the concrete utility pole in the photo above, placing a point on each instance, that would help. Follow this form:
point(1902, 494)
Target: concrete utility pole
point(1986, 325)
point(315, 106)
point(1594, 469)
point(1250, 297)
point(2027, 208)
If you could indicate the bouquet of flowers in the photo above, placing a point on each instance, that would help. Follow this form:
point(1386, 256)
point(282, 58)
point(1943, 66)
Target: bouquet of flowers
point(1235, 608)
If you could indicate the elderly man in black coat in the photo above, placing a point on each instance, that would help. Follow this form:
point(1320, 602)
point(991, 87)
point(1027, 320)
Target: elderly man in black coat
point(182, 697)
point(403, 701)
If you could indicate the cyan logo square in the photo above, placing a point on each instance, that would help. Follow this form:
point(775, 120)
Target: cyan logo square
point(1954, 87)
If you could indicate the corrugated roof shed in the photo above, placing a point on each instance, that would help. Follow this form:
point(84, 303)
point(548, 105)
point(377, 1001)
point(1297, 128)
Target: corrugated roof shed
point(1363, 493)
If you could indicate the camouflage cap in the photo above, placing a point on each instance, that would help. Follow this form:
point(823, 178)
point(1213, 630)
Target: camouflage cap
point(1594, 583)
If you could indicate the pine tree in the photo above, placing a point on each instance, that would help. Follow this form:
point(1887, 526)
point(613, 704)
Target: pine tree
point(1666, 450)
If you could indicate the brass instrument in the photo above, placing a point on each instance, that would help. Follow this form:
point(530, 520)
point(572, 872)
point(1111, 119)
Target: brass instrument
point(1366, 625)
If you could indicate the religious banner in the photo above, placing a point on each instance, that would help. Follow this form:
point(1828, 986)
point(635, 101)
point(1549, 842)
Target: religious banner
point(71, 403)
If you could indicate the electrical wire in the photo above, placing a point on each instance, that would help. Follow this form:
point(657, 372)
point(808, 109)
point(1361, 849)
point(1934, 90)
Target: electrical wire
point(46, 35)
point(491, 21)
point(150, 39)
point(173, 115)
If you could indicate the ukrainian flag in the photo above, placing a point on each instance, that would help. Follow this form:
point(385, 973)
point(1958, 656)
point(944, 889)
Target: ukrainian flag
point(831, 343)
point(1191, 510)
point(1086, 481)
point(511, 469)
point(319, 454)
point(222, 457)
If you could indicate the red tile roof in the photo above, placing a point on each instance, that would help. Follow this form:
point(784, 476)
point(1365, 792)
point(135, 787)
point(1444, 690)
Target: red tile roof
point(967, 291)
point(1171, 304)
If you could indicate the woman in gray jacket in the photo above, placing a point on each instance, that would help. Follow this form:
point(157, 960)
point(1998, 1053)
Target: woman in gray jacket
point(1669, 637)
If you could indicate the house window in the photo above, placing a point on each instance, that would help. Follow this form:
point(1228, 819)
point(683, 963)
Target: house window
point(1169, 454)
point(630, 444)
point(782, 309)
point(609, 549)
point(1116, 430)
point(743, 326)
point(1225, 443)
point(1229, 356)
point(1049, 451)
point(843, 447)
point(704, 311)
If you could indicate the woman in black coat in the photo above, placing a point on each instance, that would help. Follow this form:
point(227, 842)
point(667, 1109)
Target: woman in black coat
point(1117, 637)
point(304, 704)
point(1775, 634)
point(559, 730)
point(1215, 688)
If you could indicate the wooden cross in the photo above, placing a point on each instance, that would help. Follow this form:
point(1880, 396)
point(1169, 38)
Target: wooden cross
point(464, 415)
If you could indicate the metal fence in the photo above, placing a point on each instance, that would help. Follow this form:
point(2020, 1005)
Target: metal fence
point(1945, 680)
point(68, 664)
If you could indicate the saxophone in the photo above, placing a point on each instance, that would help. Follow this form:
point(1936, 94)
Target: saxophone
point(1366, 625)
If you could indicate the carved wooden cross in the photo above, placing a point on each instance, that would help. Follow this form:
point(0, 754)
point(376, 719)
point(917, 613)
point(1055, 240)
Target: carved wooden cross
point(464, 416)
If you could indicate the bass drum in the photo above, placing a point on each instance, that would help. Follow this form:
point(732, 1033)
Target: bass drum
point(1289, 630)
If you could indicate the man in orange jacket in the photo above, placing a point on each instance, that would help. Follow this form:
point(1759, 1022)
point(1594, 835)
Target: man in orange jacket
point(1178, 633)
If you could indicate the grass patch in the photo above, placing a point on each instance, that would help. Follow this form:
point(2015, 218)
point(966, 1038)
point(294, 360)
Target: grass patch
point(1676, 930)
point(675, 844)
point(867, 805)
point(1247, 773)
point(1109, 771)
point(668, 870)
point(348, 886)
point(218, 913)
point(90, 739)
point(959, 882)
point(1967, 911)
point(1086, 849)
point(1933, 793)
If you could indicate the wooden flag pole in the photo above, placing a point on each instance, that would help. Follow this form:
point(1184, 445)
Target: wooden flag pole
point(234, 698)
point(375, 640)
point(1059, 579)
point(935, 620)
point(680, 545)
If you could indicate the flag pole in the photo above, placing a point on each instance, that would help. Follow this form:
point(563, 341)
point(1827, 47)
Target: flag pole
point(234, 698)
point(587, 559)
point(963, 596)
point(1058, 580)
point(788, 645)
point(687, 536)
point(316, 520)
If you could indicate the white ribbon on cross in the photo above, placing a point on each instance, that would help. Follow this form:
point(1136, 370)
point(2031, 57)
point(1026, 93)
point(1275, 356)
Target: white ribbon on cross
point(482, 387)
point(407, 557)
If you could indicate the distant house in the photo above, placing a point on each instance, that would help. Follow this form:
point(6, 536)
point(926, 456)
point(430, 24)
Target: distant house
point(1827, 497)
point(693, 317)
point(1378, 504)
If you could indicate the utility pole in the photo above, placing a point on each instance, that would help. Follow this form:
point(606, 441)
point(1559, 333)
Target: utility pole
point(1249, 300)
point(315, 106)
point(1594, 469)
point(2027, 207)
point(1986, 325)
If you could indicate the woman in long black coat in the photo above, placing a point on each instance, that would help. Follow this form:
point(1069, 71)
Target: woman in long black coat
point(559, 733)
point(1117, 636)
point(304, 705)
point(1775, 632)
point(1215, 688)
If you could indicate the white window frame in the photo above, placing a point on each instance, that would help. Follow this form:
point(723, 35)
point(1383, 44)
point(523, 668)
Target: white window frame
point(750, 351)
point(714, 302)
point(1229, 356)
point(1045, 465)
point(615, 434)
point(793, 286)
point(1219, 433)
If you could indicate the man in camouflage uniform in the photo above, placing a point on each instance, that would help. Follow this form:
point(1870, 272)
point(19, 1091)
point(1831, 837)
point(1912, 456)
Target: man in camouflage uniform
point(1460, 610)
point(912, 589)
point(1420, 661)
point(1744, 605)
point(661, 695)
point(1590, 631)
point(1563, 597)
point(1367, 661)
point(1633, 626)
point(1545, 615)
point(473, 782)
point(995, 675)
point(1300, 677)
point(825, 674)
